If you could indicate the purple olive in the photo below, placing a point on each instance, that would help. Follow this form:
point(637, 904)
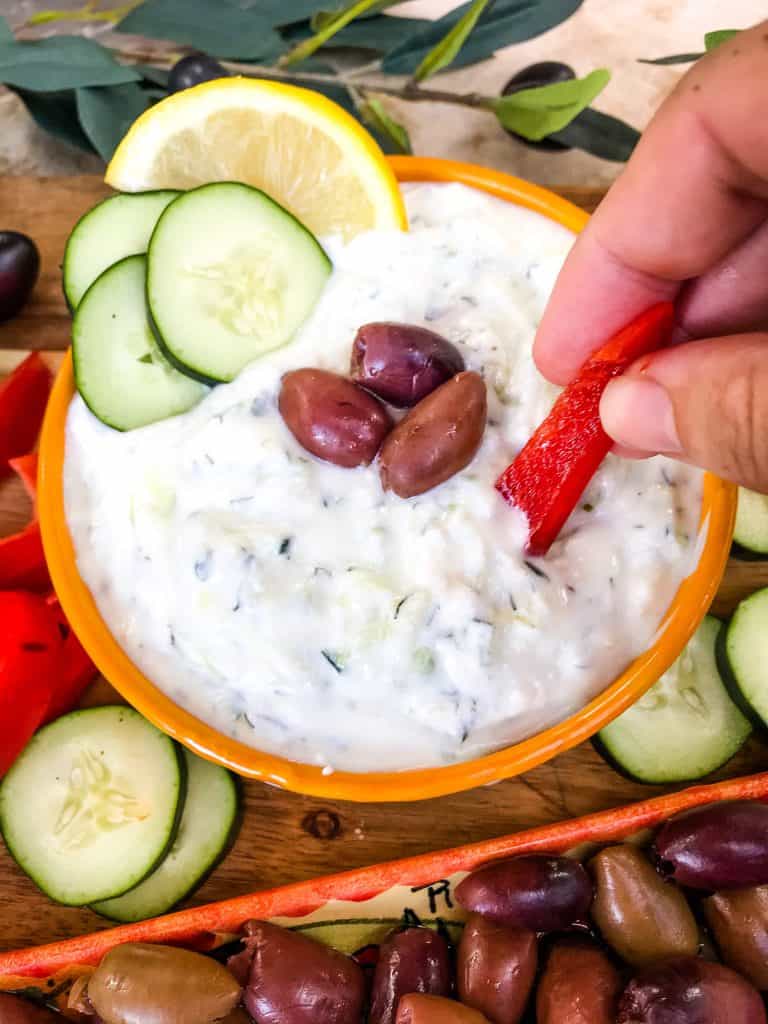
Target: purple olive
point(687, 990)
point(19, 269)
point(545, 72)
point(719, 846)
point(537, 891)
point(495, 969)
point(192, 70)
point(412, 960)
point(15, 1010)
point(579, 985)
point(402, 363)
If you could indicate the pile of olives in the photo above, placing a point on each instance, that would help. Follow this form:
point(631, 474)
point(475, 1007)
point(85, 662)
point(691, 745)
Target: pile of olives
point(344, 420)
point(632, 937)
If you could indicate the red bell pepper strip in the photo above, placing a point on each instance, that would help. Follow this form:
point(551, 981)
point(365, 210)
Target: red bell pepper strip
point(552, 471)
point(22, 561)
point(75, 670)
point(25, 467)
point(23, 398)
point(30, 647)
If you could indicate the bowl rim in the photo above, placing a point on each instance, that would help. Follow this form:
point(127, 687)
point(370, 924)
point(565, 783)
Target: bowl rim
point(682, 618)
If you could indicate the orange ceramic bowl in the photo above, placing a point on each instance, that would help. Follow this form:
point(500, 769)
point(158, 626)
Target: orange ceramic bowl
point(680, 621)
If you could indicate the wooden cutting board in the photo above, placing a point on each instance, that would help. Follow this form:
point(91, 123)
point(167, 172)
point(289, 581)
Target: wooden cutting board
point(285, 837)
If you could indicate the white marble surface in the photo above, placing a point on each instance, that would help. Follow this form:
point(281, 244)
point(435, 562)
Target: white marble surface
point(603, 33)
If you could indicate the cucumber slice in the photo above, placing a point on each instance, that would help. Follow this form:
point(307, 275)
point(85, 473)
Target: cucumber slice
point(231, 275)
point(685, 727)
point(751, 530)
point(92, 804)
point(120, 372)
point(743, 656)
point(118, 227)
point(210, 811)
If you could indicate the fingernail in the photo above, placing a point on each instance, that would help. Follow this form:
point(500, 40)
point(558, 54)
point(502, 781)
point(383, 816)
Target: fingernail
point(638, 413)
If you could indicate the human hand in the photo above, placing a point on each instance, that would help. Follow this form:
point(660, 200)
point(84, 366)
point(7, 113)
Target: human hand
point(687, 220)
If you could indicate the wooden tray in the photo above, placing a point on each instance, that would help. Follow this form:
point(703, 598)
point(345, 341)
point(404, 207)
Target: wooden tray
point(285, 837)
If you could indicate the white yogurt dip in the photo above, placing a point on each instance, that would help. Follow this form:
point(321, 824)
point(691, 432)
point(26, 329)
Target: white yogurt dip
point(294, 605)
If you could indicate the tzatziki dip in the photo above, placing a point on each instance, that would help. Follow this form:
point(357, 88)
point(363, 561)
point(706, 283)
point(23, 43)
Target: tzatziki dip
point(298, 607)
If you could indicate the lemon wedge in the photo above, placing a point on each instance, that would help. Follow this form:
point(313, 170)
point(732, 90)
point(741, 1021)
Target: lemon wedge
point(297, 146)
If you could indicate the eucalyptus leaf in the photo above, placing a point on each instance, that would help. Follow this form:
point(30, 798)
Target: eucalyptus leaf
point(599, 134)
point(713, 39)
point(60, 62)
point(158, 76)
point(381, 33)
point(675, 58)
point(56, 113)
point(447, 50)
point(376, 118)
point(329, 30)
point(107, 114)
point(536, 113)
point(6, 32)
point(502, 23)
point(220, 29)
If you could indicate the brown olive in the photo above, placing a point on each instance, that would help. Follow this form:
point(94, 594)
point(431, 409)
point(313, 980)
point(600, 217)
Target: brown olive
point(639, 915)
point(139, 983)
point(495, 968)
point(295, 980)
point(738, 920)
point(437, 438)
point(421, 1009)
point(410, 960)
point(15, 1010)
point(579, 985)
point(332, 417)
point(402, 363)
point(688, 990)
point(537, 891)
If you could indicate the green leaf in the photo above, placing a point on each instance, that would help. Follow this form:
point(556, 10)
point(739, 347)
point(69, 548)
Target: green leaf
point(502, 23)
point(447, 50)
point(60, 62)
point(675, 58)
point(56, 113)
point(107, 114)
point(220, 29)
point(380, 33)
point(535, 113)
point(599, 134)
point(330, 29)
point(375, 117)
point(320, 19)
point(6, 32)
point(713, 39)
point(158, 76)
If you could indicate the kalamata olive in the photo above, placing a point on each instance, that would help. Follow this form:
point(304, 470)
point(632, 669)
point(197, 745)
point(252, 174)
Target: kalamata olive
point(192, 70)
point(545, 72)
point(19, 268)
point(688, 990)
point(495, 969)
point(410, 960)
point(537, 891)
point(579, 985)
point(437, 438)
point(332, 417)
point(402, 363)
point(15, 1010)
point(295, 980)
point(418, 1009)
point(638, 914)
point(719, 846)
point(738, 919)
point(140, 983)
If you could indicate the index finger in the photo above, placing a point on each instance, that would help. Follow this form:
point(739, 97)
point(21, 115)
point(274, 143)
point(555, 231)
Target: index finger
point(695, 187)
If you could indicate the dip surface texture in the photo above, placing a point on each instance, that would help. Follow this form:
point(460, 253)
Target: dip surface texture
point(294, 605)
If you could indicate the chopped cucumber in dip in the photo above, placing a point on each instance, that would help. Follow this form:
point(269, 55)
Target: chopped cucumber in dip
point(231, 276)
point(120, 372)
point(685, 727)
point(118, 227)
point(92, 804)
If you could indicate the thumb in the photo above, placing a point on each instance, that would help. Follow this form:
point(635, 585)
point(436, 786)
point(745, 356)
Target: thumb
point(705, 402)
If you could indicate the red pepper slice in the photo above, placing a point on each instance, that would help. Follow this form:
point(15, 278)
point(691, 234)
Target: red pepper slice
point(30, 647)
point(22, 561)
point(75, 671)
point(23, 398)
point(552, 471)
point(25, 467)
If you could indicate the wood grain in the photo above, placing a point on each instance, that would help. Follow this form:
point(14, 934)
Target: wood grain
point(286, 837)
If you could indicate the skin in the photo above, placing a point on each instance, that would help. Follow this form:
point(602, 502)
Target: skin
point(687, 220)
